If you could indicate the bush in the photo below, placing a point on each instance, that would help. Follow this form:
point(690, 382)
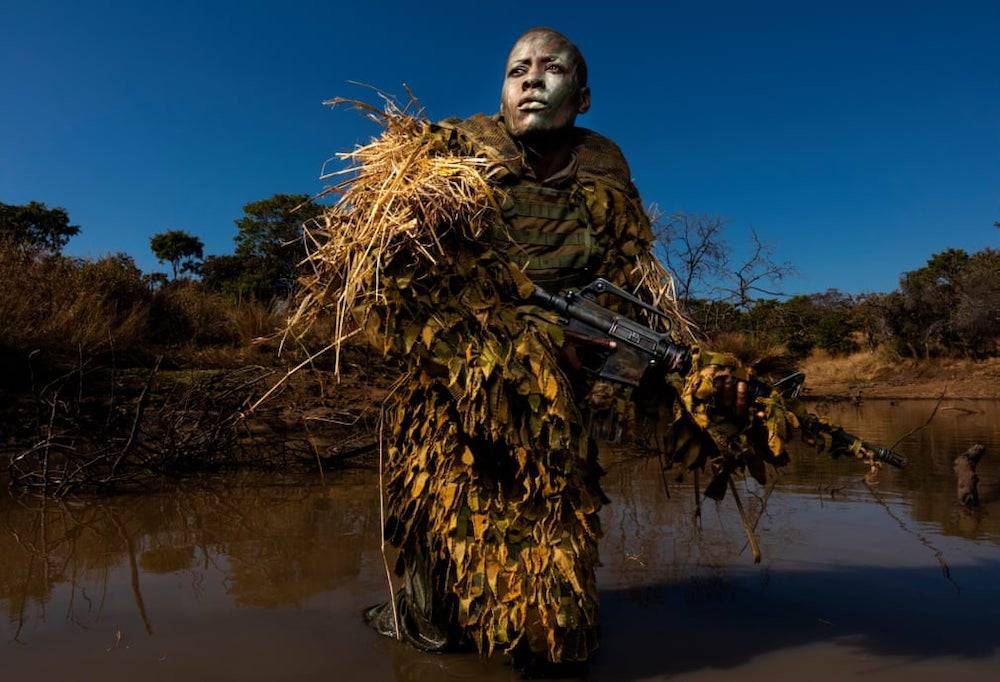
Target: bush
point(950, 306)
point(65, 306)
point(826, 320)
point(185, 312)
point(975, 318)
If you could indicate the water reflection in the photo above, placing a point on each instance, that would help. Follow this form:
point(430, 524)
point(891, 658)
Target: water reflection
point(274, 543)
point(258, 577)
point(928, 484)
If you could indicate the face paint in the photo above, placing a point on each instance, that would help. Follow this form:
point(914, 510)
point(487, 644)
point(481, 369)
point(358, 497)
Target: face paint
point(540, 92)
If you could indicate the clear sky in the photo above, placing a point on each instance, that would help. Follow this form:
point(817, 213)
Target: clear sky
point(857, 138)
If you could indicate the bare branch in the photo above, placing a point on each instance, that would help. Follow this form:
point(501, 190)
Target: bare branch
point(759, 269)
point(693, 249)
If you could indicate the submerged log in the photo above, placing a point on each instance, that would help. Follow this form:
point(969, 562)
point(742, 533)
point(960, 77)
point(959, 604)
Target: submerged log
point(965, 472)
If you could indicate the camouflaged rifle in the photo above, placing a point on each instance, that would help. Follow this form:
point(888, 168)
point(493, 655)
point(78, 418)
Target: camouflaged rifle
point(622, 350)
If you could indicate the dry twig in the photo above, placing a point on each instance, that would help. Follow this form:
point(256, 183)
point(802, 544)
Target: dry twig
point(923, 426)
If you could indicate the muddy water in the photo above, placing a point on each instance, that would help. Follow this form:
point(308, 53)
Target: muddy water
point(253, 578)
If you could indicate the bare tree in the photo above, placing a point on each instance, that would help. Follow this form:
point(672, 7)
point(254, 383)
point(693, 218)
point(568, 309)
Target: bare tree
point(694, 250)
point(697, 254)
point(758, 274)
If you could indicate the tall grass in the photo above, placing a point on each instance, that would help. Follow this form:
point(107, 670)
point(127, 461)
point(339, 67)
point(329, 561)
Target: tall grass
point(863, 367)
point(60, 309)
point(61, 306)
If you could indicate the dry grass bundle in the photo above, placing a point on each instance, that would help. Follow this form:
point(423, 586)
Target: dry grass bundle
point(399, 197)
point(858, 369)
point(653, 278)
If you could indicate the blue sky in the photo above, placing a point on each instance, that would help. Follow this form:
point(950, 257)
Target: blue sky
point(857, 138)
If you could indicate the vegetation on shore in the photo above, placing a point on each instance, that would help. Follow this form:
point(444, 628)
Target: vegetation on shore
point(879, 374)
point(111, 376)
point(950, 307)
point(101, 361)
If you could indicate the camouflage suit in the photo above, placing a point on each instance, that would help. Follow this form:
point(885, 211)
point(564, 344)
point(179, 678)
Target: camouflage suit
point(492, 481)
point(492, 478)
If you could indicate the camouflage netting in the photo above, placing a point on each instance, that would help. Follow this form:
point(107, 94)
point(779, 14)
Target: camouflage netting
point(490, 472)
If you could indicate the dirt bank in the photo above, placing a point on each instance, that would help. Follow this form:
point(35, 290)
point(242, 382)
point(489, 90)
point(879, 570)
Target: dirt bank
point(876, 375)
point(106, 429)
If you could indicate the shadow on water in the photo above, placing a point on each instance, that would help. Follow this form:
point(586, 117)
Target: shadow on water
point(726, 621)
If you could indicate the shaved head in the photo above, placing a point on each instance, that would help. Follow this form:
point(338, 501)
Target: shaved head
point(579, 63)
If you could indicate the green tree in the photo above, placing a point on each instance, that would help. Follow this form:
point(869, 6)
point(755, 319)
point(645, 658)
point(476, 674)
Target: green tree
point(836, 321)
point(928, 295)
point(950, 305)
point(177, 247)
point(269, 243)
point(976, 317)
point(35, 226)
point(226, 274)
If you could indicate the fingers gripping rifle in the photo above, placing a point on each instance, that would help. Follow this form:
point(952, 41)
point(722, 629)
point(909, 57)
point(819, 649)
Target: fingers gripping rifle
point(623, 350)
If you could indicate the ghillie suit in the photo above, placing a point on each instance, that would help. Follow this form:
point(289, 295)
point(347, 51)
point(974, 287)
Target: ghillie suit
point(491, 478)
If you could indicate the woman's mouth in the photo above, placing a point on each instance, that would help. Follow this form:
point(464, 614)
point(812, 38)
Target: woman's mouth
point(531, 105)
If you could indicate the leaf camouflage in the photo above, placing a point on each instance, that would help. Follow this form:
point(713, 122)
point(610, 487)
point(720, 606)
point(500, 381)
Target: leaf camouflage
point(489, 469)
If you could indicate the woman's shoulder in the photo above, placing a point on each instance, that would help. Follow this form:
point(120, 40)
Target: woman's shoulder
point(602, 160)
point(486, 135)
point(599, 159)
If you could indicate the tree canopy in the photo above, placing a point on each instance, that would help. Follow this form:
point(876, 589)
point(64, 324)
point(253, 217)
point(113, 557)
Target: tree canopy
point(177, 247)
point(268, 250)
point(268, 243)
point(226, 274)
point(953, 302)
point(34, 226)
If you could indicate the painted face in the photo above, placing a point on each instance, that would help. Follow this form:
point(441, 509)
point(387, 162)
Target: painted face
point(540, 92)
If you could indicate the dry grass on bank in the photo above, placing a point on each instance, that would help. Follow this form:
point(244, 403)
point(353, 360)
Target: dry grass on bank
point(58, 310)
point(880, 374)
point(51, 304)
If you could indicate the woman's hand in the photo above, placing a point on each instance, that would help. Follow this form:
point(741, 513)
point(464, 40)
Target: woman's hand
point(732, 397)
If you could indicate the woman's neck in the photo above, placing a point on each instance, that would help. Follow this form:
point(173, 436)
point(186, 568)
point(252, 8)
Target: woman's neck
point(547, 153)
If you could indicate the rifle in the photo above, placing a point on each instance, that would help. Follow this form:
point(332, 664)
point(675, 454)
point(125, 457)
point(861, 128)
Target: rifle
point(625, 350)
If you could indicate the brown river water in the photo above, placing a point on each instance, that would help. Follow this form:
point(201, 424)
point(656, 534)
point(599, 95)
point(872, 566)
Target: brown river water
point(255, 577)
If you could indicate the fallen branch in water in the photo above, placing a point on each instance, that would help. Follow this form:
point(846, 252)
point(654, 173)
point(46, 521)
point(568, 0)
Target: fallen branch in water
point(771, 485)
point(927, 423)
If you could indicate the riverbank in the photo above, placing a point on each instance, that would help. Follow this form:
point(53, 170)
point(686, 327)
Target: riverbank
point(100, 428)
point(869, 375)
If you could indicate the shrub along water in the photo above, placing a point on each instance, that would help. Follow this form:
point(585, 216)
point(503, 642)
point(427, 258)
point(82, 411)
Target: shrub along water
point(109, 378)
point(948, 308)
point(59, 309)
